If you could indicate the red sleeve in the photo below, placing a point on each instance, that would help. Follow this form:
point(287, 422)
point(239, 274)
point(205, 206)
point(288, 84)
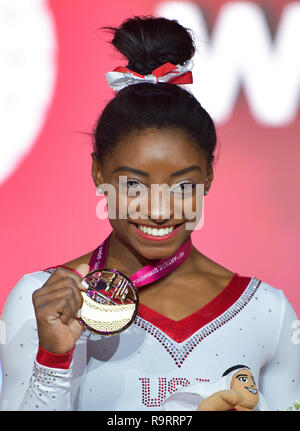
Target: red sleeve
point(54, 360)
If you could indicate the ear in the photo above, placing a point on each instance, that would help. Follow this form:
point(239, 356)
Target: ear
point(97, 172)
point(210, 177)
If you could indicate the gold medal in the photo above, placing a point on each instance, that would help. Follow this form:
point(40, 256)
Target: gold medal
point(110, 304)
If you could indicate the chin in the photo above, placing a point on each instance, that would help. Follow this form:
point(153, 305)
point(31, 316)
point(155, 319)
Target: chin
point(151, 254)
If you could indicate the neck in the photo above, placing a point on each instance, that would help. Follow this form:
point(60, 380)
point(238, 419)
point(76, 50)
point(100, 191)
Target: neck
point(123, 257)
point(126, 259)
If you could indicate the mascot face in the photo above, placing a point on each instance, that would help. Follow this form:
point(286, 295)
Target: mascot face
point(244, 383)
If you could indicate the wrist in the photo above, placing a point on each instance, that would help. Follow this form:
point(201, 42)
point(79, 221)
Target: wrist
point(54, 360)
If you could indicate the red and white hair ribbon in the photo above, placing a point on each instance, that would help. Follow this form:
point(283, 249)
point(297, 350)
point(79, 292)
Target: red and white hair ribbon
point(122, 77)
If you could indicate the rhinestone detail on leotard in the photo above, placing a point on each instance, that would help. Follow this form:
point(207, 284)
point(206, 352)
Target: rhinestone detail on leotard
point(180, 351)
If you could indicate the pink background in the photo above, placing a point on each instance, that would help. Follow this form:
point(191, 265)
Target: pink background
point(48, 204)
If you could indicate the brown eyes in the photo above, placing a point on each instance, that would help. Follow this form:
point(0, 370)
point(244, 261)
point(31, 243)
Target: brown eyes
point(184, 186)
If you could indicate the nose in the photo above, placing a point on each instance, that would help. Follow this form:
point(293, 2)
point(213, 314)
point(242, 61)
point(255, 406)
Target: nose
point(160, 208)
point(160, 213)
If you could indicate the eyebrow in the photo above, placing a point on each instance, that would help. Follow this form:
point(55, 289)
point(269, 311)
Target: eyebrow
point(185, 170)
point(241, 375)
point(146, 174)
point(133, 170)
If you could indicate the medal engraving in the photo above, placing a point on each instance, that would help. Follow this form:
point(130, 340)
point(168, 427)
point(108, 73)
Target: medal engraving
point(111, 303)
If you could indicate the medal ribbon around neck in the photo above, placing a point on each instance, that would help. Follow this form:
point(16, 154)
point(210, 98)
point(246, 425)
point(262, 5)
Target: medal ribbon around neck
point(111, 303)
point(149, 273)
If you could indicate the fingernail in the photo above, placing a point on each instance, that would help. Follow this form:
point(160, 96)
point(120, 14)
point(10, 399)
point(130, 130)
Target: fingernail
point(78, 314)
point(84, 284)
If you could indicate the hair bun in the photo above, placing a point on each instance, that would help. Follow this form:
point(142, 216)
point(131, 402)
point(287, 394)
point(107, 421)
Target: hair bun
point(149, 42)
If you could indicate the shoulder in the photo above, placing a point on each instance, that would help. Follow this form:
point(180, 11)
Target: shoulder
point(263, 294)
point(22, 292)
point(270, 295)
point(277, 300)
point(73, 264)
point(32, 281)
point(271, 305)
point(18, 313)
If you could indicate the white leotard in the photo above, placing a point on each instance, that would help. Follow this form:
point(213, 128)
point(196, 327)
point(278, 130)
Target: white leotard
point(248, 323)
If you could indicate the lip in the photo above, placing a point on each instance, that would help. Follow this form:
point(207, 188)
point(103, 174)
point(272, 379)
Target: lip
point(251, 390)
point(156, 238)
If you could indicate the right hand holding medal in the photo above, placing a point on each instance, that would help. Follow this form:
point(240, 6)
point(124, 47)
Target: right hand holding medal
point(56, 306)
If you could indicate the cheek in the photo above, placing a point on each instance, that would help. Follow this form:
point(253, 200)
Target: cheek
point(238, 386)
point(138, 207)
point(191, 207)
point(117, 202)
point(123, 206)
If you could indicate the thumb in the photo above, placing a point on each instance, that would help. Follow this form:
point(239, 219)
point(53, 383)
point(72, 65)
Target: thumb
point(83, 269)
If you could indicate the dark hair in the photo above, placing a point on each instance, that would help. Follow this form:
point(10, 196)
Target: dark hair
point(147, 43)
point(235, 367)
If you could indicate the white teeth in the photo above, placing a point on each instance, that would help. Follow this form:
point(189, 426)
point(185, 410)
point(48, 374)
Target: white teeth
point(253, 391)
point(155, 231)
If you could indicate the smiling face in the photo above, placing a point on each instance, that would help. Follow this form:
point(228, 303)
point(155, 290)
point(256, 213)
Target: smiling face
point(244, 383)
point(146, 158)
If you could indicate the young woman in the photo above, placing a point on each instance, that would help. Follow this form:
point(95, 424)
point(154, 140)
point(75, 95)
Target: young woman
point(195, 321)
